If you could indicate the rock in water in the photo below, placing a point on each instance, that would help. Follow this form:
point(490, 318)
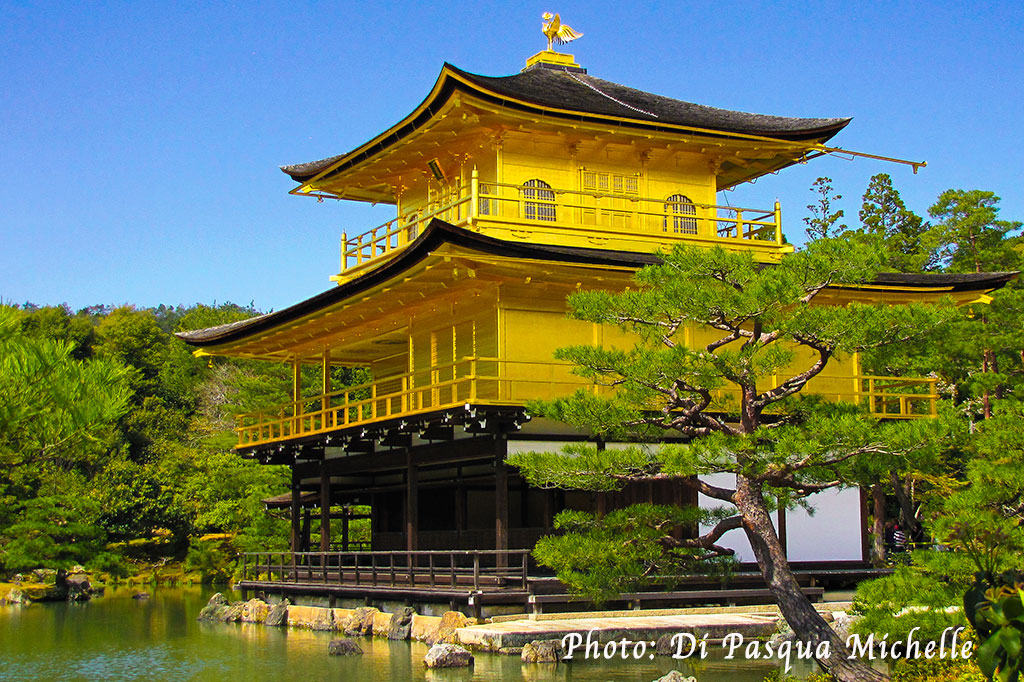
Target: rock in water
point(215, 608)
point(278, 615)
point(676, 676)
point(141, 595)
point(543, 651)
point(255, 611)
point(448, 656)
point(450, 622)
point(233, 613)
point(401, 623)
point(324, 620)
point(17, 596)
point(361, 622)
point(79, 588)
point(344, 647)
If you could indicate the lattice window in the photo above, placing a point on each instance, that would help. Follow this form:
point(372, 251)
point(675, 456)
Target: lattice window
point(678, 208)
point(540, 200)
point(610, 182)
point(485, 203)
point(412, 229)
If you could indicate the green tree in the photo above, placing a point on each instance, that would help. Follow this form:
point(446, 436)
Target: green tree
point(902, 231)
point(722, 396)
point(57, 420)
point(969, 237)
point(54, 409)
point(824, 220)
point(133, 338)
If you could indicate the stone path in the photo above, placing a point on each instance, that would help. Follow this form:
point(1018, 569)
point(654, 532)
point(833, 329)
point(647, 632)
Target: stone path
point(510, 634)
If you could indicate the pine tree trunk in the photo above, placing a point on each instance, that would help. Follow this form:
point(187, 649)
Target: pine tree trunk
point(803, 618)
point(878, 526)
point(907, 515)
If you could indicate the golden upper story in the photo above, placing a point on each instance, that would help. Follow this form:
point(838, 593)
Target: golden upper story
point(554, 156)
point(510, 193)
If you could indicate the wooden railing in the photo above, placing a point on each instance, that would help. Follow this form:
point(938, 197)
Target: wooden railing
point(477, 570)
point(488, 380)
point(569, 218)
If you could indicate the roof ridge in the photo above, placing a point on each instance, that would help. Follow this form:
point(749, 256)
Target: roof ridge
point(605, 94)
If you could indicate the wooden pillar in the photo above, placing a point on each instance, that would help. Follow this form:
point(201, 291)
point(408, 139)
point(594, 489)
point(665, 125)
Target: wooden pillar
point(344, 529)
point(549, 510)
point(412, 504)
point(500, 495)
point(296, 380)
point(296, 512)
point(376, 517)
point(304, 545)
point(325, 375)
point(524, 516)
point(296, 427)
point(325, 507)
point(460, 512)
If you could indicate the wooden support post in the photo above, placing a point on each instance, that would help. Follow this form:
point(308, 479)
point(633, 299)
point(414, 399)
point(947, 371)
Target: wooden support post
point(325, 507)
point(460, 512)
point(412, 504)
point(325, 403)
point(296, 381)
point(344, 529)
point(296, 512)
point(305, 544)
point(549, 510)
point(500, 497)
point(296, 396)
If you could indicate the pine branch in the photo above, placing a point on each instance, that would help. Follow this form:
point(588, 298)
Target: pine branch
point(715, 492)
point(795, 383)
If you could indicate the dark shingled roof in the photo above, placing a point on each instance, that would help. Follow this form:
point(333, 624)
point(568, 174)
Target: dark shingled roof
point(583, 97)
point(439, 232)
point(562, 89)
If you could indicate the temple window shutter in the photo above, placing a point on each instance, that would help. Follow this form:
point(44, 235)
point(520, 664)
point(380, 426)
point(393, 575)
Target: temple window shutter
point(678, 208)
point(540, 200)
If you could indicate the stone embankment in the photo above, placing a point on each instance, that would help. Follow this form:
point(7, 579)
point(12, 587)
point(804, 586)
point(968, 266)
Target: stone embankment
point(403, 624)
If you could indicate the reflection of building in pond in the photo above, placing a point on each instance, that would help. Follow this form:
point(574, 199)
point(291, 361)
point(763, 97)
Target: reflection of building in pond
point(511, 193)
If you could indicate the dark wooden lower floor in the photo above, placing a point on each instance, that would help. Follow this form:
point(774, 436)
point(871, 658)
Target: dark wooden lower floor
point(478, 581)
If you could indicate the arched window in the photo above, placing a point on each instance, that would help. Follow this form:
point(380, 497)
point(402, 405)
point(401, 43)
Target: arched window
point(540, 200)
point(678, 209)
point(412, 226)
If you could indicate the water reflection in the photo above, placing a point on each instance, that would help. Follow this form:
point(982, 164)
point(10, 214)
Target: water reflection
point(121, 639)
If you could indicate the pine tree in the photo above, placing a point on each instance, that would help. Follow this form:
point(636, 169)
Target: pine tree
point(735, 398)
point(902, 231)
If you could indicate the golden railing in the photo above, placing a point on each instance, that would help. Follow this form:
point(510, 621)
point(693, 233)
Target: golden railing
point(484, 380)
point(569, 218)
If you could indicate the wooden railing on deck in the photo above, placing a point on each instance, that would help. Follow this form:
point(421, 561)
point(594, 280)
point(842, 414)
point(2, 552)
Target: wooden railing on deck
point(487, 380)
point(478, 570)
point(596, 219)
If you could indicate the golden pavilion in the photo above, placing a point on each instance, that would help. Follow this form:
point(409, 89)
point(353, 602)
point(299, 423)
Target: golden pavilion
point(510, 193)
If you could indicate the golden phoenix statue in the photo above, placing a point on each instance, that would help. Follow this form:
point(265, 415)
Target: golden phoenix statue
point(556, 31)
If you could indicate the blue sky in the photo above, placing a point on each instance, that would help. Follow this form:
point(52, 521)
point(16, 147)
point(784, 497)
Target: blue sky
point(139, 142)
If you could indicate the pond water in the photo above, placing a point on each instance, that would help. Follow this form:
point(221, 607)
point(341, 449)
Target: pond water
point(124, 640)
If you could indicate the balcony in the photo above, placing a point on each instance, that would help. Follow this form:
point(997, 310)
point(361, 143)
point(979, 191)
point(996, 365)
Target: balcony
point(595, 219)
point(491, 381)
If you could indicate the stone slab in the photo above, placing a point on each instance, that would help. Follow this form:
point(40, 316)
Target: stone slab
point(381, 624)
point(516, 634)
point(423, 626)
